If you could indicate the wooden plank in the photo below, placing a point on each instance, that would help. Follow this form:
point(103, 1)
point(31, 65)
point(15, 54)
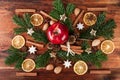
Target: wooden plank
point(6, 27)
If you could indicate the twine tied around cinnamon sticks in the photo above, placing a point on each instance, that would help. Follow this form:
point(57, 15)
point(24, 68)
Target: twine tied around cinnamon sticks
point(71, 49)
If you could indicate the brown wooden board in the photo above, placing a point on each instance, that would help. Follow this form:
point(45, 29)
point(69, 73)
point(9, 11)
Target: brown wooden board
point(7, 8)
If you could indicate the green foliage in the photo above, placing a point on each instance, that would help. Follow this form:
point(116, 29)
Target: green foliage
point(20, 30)
point(19, 63)
point(55, 14)
point(68, 23)
point(60, 10)
point(85, 45)
point(23, 23)
point(107, 30)
point(26, 18)
point(40, 36)
point(42, 60)
point(103, 28)
point(94, 58)
point(58, 6)
point(19, 21)
point(69, 9)
point(15, 57)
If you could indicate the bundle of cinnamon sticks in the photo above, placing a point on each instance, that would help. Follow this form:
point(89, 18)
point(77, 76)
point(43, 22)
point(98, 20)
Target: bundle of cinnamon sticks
point(76, 49)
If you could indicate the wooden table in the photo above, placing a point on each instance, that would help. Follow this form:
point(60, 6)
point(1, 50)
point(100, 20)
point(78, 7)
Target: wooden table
point(7, 8)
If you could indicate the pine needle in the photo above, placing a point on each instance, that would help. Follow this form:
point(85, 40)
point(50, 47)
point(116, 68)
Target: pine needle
point(69, 9)
point(42, 60)
point(40, 36)
point(23, 23)
point(94, 58)
point(58, 6)
point(15, 56)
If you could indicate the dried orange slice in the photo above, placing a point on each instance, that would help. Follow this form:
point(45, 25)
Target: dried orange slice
point(80, 67)
point(107, 46)
point(36, 19)
point(28, 65)
point(89, 18)
point(18, 41)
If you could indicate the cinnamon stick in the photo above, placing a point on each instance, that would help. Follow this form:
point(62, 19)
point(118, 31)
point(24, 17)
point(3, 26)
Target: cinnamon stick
point(45, 14)
point(77, 19)
point(100, 72)
point(25, 74)
point(76, 51)
point(97, 9)
point(6, 68)
point(36, 44)
point(72, 47)
point(24, 10)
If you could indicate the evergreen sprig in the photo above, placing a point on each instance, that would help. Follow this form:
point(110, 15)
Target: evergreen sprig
point(104, 28)
point(94, 58)
point(16, 56)
point(40, 36)
point(42, 60)
point(60, 10)
point(23, 23)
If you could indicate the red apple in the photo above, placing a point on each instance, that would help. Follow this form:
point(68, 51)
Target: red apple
point(57, 33)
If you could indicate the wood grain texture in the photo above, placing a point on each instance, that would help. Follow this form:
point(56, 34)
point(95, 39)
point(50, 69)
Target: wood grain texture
point(7, 8)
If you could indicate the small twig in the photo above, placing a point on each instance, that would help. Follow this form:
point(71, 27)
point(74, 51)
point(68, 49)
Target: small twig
point(77, 19)
point(45, 14)
point(97, 9)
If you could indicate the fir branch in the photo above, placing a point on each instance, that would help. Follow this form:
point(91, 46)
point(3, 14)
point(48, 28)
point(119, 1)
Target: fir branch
point(19, 63)
point(40, 36)
point(20, 30)
point(69, 9)
point(19, 21)
point(55, 14)
point(26, 18)
point(63, 54)
point(85, 45)
point(58, 6)
point(103, 28)
point(59, 10)
point(94, 58)
point(23, 23)
point(42, 60)
point(68, 23)
point(100, 19)
point(107, 30)
point(14, 56)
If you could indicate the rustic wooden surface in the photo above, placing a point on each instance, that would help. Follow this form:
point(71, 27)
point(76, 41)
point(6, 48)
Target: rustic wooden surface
point(7, 8)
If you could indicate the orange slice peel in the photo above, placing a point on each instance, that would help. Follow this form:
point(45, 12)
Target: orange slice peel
point(28, 65)
point(18, 41)
point(36, 19)
point(80, 67)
